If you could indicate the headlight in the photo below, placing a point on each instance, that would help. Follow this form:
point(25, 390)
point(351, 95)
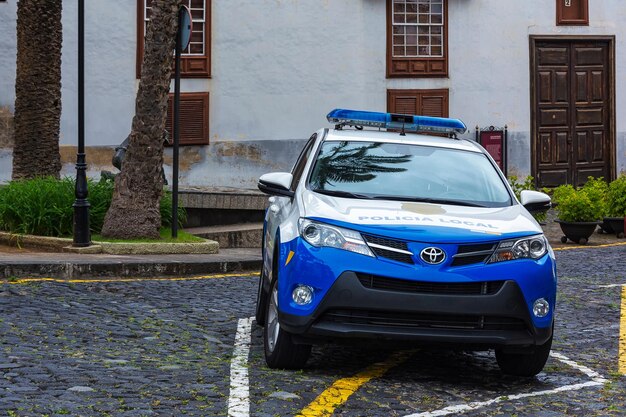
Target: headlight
point(530, 248)
point(320, 234)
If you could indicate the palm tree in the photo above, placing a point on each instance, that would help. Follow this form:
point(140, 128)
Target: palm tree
point(134, 210)
point(38, 89)
point(353, 164)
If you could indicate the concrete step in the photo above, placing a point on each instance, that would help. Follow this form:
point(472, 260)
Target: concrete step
point(214, 206)
point(222, 198)
point(241, 235)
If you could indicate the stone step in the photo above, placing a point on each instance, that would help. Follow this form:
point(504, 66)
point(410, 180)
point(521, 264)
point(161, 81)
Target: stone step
point(241, 235)
point(222, 198)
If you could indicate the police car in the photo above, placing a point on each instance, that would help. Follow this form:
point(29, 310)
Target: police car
point(385, 231)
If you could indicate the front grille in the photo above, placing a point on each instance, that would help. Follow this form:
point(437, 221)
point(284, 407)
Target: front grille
point(421, 320)
point(387, 251)
point(473, 254)
point(420, 287)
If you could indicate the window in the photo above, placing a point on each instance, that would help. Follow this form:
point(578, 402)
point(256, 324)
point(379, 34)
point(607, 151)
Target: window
point(423, 102)
point(194, 118)
point(417, 42)
point(572, 12)
point(406, 172)
point(298, 167)
point(196, 59)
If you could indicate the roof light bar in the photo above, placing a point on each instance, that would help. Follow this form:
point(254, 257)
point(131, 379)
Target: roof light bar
point(407, 122)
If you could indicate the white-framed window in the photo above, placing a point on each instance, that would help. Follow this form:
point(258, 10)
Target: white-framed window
point(418, 28)
point(196, 58)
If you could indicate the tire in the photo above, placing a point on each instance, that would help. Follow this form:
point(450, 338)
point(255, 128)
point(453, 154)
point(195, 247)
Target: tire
point(280, 351)
point(525, 365)
point(261, 301)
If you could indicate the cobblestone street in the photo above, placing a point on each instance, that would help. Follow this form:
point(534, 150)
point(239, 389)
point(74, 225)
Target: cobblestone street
point(164, 348)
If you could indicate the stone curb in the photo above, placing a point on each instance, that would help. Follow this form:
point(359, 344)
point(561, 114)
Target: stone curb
point(124, 269)
point(58, 244)
point(44, 242)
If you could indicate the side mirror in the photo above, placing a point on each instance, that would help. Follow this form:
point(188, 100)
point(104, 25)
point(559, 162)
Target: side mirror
point(535, 202)
point(276, 183)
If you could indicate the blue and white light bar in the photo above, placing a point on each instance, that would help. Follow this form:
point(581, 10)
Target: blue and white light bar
point(407, 122)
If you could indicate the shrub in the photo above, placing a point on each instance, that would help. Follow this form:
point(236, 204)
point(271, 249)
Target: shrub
point(616, 197)
point(43, 206)
point(577, 207)
point(597, 190)
point(581, 205)
point(561, 192)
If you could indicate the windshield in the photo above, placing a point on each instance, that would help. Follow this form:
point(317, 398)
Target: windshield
point(391, 171)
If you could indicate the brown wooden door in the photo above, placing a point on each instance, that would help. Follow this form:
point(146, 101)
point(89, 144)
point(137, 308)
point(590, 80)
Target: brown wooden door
point(572, 113)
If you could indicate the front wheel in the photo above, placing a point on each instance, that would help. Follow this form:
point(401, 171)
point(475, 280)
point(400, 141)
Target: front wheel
point(280, 351)
point(527, 365)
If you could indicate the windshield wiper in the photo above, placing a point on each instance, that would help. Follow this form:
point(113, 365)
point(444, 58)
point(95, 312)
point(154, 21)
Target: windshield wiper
point(427, 200)
point(347, 194)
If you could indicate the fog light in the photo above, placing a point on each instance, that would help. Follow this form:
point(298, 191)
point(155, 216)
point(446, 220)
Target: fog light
point(302, 295)
point(541, 308)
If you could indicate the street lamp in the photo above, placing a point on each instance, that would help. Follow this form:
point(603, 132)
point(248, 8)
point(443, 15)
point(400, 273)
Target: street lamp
point(82, 236)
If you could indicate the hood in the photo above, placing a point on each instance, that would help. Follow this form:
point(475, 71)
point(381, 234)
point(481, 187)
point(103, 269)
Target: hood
point(422, 222)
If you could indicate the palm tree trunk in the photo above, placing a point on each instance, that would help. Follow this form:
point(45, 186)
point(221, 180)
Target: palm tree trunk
point(38, 89)
point(134, 210)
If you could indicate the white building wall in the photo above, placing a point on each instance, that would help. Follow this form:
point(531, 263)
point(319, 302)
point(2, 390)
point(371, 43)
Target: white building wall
point(278, 67)
point(8, 50)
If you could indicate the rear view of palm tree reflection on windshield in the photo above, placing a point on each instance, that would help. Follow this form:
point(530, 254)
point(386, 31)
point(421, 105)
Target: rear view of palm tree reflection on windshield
point(350, 162)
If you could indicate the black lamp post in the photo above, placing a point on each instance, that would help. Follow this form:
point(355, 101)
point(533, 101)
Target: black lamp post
point(82, 236)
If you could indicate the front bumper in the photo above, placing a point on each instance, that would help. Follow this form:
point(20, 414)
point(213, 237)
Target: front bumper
point(350, 310)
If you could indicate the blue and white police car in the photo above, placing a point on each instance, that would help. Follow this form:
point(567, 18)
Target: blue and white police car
point(385, 231)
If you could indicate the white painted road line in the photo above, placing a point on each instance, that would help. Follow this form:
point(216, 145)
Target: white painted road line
point(462, 408)
point(611, 285)
point(582, 368)
point(239, 399)
point(597, 380)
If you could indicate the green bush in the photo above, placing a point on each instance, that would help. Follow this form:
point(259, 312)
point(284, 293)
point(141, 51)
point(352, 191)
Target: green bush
point(43, 206)
point(597, 190)
point(616, 197)
point(561, 192)
point(581, 205)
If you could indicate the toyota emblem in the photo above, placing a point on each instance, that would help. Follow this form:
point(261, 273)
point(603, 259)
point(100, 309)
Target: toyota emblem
point(433, 255)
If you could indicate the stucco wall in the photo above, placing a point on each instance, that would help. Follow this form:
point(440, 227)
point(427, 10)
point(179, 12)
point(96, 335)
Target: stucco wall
point(279, 66)
point(8, 50)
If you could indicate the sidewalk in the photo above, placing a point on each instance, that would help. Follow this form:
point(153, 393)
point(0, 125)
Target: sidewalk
point(25, 262)
point(30, 263)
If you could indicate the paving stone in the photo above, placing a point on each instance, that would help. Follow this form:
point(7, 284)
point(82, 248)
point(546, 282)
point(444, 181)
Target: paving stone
point(79, 388)
point(177, 339)
point(282, 395)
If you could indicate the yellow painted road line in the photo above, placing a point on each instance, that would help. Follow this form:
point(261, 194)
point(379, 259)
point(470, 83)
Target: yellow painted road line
point(608, 245)
point(338, 393)
point(86, 281)
point(622, 335)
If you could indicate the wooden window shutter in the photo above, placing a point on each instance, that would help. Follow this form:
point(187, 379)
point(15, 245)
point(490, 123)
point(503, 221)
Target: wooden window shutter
point(194, 118)
point(422, 102)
